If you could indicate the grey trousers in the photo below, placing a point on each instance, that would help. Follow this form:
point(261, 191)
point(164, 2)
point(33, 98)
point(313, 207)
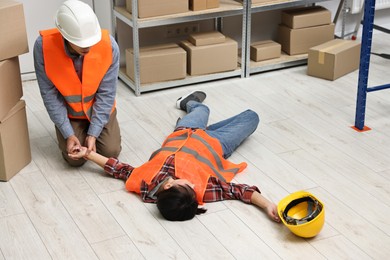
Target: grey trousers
point(107, 144)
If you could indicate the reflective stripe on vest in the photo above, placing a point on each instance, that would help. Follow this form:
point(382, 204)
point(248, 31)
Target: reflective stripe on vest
point(197, 157)
point(59, 68)
point(78, 99)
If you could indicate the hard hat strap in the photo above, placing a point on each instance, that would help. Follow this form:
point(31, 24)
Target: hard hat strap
point(314, 208)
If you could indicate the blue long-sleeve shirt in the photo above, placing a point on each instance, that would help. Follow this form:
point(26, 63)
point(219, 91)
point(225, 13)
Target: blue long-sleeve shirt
point(54, 101)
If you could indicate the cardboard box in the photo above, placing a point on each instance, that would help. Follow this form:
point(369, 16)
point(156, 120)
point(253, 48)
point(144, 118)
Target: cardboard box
point(197, 5)
point(265, 50)
point(158, 63)
point(256, 2)
point(11, 90)
point(12, 30)
point(206, 38)
point(212, 58)
point(306, 17)
point(333, 59)
point(151, 8)
point(212, 4)
point(299, 41)
point(15, 151)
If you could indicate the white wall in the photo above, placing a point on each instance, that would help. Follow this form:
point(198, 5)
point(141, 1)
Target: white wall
point(39, 15)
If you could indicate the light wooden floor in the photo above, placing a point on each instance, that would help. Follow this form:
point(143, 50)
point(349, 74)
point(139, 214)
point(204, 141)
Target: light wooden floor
point(304, 142)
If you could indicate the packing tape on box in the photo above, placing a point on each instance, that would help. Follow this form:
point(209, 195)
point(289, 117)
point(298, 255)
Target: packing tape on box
point(321, 53)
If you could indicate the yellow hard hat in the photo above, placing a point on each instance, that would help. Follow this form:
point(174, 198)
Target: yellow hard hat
point(302, 213)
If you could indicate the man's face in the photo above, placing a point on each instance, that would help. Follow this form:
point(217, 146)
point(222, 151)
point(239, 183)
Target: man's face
point(178, 182)
point(79, 50)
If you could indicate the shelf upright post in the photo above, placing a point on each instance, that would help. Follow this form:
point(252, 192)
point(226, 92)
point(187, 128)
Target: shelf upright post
point(365, 52)
point(136, 52)
point(113, 19)
point(246, 54)
point(244, 40)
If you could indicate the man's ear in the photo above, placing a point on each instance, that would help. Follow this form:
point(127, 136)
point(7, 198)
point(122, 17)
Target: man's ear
point(167, 185)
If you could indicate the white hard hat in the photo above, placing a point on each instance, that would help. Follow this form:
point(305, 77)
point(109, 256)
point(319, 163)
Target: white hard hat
point(78, 23)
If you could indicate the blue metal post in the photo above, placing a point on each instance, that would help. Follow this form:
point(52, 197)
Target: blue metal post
point(368, 21)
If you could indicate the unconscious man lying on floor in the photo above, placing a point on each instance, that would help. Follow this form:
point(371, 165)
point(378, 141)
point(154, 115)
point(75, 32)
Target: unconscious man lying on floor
point(191, 167)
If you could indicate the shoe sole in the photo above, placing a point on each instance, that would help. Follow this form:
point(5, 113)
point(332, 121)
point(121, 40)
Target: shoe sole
point(199, 94)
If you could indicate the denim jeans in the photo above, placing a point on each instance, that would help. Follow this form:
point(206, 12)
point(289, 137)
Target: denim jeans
point(230, 132)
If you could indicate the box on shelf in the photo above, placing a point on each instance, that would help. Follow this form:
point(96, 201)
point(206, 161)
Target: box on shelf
point(11, 90)
point(15, 151)
point(333, 59)
point(306, 17)
point(151, 8)
point(12, 30)
point(212, 4)
point(299, 41)
point(158, 63)
point(197, 5)
point(265, 50)
point(212, 58)
point(254, 2)
point(206, 38)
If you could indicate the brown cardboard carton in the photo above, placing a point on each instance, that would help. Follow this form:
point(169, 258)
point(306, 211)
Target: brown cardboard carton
point(12, 30)
point(158, 63)
point(15, 151)
point(257, 2)
point(197, 5)
point(212, 58)
point(11, 90)
point(299, 41)
point(333, 59)
point(212, 4)
point(206, 38)
point(151, 8)
point(265, 50)
point(306, 17)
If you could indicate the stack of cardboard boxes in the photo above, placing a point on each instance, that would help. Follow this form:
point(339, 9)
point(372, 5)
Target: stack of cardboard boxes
point(303, 28)
point(210, 52)
point(202, 53)
point(15, 150)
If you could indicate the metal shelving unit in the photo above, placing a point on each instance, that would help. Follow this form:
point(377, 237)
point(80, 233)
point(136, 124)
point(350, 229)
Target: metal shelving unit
point(227, 8)
point(365, 53)
point(285, 60)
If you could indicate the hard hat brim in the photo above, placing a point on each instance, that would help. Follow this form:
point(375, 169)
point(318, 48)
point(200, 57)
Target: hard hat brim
point(85, 43)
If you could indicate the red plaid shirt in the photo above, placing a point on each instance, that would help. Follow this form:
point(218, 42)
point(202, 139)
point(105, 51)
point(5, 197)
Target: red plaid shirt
point(216, 189)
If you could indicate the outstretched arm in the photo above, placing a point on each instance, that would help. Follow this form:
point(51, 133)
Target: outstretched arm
point(218, 190)
point(92, 156)
point(263, 203)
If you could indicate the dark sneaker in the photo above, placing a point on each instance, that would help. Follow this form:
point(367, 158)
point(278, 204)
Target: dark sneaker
point(198, 96)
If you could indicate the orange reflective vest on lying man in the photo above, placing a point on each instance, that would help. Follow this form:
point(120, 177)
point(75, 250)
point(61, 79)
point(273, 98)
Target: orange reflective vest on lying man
point(59, 68)
point(197, 157)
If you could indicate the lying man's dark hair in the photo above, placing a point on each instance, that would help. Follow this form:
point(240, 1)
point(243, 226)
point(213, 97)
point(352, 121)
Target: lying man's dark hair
point(178, 203)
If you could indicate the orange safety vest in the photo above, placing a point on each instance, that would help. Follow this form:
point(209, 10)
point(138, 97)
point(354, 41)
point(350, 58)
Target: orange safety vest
point(79, 96)
point(197, 157)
